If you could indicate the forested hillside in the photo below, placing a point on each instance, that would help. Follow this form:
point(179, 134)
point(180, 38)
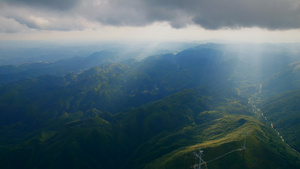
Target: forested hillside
point(105, 112)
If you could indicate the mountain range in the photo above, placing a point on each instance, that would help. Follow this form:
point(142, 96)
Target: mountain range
point(105, 111)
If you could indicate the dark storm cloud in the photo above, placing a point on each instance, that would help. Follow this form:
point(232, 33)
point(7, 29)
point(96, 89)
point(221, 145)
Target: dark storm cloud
point(215, 14)
point(209, 14)
point(270, 14)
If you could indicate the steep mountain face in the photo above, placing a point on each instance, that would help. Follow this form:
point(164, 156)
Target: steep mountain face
point(150, 114)
point(280, 107)
point(286, 79)
point(282, 113)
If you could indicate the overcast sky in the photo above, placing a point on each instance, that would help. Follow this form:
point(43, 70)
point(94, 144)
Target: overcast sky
point(242, 20)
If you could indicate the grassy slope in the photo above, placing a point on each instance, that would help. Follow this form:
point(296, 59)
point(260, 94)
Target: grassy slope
point(283, 112)
point(262, 149)
point(162, 134)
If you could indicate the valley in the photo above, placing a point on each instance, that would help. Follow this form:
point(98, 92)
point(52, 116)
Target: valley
point(260, 115)
point(105, 111)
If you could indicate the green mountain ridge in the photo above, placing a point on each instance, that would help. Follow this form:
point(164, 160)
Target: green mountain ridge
point(286, 79)
point(154, 113)
point(144, 134)
point(282, 111)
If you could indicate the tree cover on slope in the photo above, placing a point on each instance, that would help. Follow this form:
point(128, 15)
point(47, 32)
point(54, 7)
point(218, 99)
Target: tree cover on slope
point(138, 114)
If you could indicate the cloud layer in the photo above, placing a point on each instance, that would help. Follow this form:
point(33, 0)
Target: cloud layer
point(89, 14)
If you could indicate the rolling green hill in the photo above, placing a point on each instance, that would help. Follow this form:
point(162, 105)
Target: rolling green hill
point(161, 134)
point(153, 113)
